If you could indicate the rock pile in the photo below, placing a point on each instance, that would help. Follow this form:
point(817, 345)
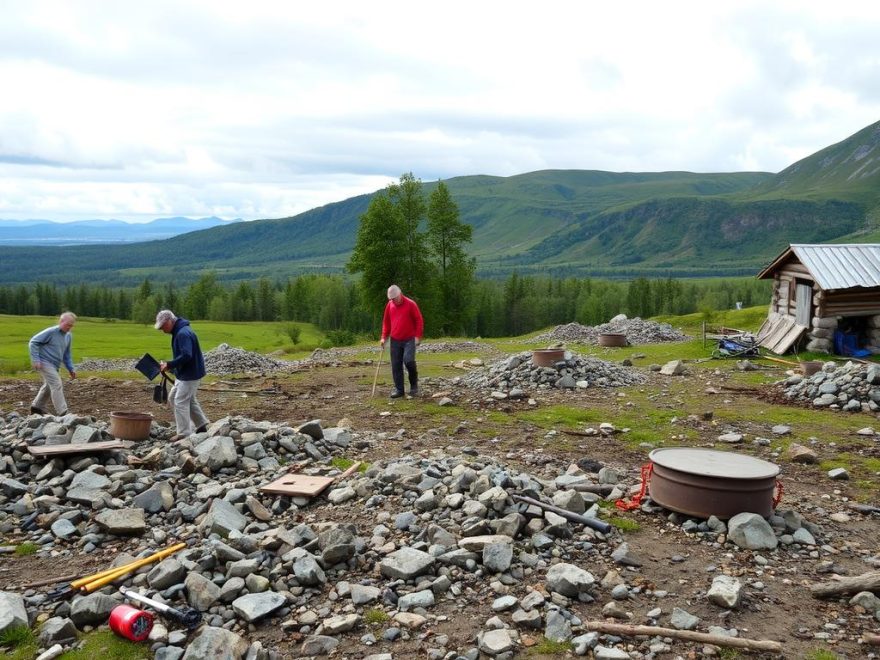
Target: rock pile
point(224, 360)
point(392, 552)
point(516, 376)
point(851, 386)
point(637, 331)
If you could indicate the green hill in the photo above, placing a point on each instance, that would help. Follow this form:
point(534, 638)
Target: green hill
point(564, 222)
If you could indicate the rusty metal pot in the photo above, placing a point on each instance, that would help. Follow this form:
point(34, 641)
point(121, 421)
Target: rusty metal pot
point(706, 482)
point(612, 339)
point(547, 357)
point(810, 367)
point(130, 425)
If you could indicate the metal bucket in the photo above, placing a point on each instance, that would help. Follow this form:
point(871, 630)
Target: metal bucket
point(547, 357)
point(706, 482)
point(612, 339)
point(130, 425)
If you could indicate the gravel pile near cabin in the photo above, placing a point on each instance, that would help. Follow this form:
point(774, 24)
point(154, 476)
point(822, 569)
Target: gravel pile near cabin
point(516, 376)
point(391, 553)
point(852, 386)
point(637, 331)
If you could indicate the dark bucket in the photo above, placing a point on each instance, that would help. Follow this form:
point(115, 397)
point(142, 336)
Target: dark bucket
point(148, 366)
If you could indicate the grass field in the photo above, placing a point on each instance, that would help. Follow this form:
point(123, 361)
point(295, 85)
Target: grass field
point(104, 338)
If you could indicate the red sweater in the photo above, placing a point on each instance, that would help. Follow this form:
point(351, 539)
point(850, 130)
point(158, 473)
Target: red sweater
point(403, 321)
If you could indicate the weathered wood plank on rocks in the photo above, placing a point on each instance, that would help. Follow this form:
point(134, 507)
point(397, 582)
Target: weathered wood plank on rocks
point(85, 448)
point(869, 581)
point(689, 635)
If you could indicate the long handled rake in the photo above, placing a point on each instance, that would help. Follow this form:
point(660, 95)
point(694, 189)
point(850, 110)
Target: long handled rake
point(376, 377)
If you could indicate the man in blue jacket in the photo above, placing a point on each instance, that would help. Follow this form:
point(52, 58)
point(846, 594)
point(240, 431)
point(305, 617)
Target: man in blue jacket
point(48, 349)
point(188, 365)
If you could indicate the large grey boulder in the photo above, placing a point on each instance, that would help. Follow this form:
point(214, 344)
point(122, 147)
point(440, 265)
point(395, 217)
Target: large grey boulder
point(159, 497)
point(223, 518)
point(122, 522)
point(89, 480)
point(12, 611)
point(406, 563)
point(201, 593)
point(255, 606)
point(166, 574)
point(569, 580)
point(215, 453)
point(57, 629)
point(92, 610)
point(751, 532)
point(212, 643)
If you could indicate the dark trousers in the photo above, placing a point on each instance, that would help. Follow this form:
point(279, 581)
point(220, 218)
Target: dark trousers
point(403, 353)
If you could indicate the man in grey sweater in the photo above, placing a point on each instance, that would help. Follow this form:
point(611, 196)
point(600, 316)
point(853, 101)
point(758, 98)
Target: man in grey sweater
point(48, 349)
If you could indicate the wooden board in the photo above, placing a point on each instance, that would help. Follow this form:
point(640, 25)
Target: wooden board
point(303, 484)
point(84, 448)
point(779, 334)
point(297, 484)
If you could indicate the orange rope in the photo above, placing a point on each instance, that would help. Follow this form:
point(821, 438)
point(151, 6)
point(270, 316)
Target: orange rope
point(636, 501)
point(777, 498)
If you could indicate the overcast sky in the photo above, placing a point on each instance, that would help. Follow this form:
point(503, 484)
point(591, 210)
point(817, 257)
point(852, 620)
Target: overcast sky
point(137, 110)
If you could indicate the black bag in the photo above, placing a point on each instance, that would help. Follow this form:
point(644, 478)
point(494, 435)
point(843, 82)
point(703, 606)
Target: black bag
point(160, 391)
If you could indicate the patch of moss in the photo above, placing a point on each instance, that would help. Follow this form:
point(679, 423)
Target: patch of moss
point(25, 549)
point(822, 654)
point(375, 616)
point(549, 647)
point(625, 524)
point(106, 644)
point(342, 463)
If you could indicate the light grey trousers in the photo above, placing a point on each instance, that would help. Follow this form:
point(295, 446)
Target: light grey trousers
point(52, 389)
point(188, 414)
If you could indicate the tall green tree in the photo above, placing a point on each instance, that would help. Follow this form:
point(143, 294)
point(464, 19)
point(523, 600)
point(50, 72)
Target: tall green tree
point(391, 249)
point(409, 202)
point(447, 236)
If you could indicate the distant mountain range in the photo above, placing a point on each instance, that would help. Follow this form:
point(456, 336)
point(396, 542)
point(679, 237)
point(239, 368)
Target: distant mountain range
point(83, 232)
point(560, 222)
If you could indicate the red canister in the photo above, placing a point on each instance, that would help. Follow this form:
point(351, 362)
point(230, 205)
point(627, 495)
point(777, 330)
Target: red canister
point(131, 623)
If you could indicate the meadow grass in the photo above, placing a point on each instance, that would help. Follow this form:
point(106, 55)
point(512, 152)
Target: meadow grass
point(108, 338)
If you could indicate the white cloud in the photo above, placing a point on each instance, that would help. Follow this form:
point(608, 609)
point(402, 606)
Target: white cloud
point(267, 109)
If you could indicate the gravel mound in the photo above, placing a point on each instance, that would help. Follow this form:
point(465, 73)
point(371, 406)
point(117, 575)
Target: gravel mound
point(225, 360)
point(852, 386)
point(516, 375)
point(637, 331)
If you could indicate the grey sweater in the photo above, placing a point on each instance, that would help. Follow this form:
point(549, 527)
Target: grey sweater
point(53, 346)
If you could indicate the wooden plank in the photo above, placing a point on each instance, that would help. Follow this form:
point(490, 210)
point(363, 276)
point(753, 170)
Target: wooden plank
point(84, 448)
point(297, 484)
point(303, 484)
point(788, 339)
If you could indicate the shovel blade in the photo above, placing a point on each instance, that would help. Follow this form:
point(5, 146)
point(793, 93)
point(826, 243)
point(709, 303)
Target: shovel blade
point(148, 366)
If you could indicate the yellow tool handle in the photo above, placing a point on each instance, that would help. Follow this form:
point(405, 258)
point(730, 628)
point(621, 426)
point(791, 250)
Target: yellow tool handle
point(98, 580)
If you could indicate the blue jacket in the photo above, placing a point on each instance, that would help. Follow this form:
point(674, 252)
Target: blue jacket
point(52, 345)
point(188, 362)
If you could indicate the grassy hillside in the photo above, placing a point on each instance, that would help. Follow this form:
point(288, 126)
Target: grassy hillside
point(582, 222)
point(510, 216)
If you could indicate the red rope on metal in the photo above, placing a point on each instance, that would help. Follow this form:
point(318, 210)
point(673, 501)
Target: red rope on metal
point(777, 497)
point(636, 501)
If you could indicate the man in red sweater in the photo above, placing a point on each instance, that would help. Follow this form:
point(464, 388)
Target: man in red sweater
point(403, 323)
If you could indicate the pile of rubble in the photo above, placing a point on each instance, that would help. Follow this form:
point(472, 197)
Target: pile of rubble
point(852, 386)
point(224, 360)
point(516, 376)
point(456, 347)
point(637, 331)
point(402, 548)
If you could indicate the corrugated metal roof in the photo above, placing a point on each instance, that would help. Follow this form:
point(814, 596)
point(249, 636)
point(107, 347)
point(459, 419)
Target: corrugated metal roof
point(841, 266)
